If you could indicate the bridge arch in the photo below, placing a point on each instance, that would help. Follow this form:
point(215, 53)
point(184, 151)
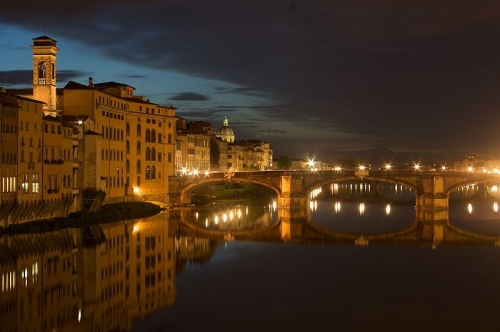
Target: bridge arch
point(185, 190)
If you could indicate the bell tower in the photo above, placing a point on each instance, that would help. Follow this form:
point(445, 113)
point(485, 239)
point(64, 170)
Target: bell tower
point(44, 71)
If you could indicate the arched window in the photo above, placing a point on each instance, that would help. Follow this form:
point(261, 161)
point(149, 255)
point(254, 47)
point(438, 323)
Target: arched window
point(138, 147)
point(153, 154)
point(153, 173)
point(153, 136)
point(128, 128)
point(138, 129)
point(148, 154)
point(42, 69)
point(148, 134)
point(138, 167)
point(148, 173)
point(127, 147)
point(127, 166)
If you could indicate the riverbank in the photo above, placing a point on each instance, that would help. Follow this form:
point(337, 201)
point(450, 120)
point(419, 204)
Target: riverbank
point(106, 214)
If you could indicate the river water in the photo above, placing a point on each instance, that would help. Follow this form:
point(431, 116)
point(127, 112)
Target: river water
point(151, 276)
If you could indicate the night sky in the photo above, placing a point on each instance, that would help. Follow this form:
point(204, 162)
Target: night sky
point(310, 77)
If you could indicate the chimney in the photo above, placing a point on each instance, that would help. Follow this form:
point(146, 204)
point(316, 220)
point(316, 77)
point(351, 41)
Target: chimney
point(91, 82)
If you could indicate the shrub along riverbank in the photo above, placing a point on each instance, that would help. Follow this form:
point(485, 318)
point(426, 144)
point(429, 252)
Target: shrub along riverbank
point(106, 214)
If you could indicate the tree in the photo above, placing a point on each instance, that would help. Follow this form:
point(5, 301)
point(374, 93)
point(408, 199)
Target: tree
point(284, 162)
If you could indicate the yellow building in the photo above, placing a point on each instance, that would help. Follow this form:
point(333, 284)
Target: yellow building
point(37, 147)
point(192, 153)
point(131, 146)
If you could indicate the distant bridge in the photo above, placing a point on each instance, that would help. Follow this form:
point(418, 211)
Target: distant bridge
point(432, 188)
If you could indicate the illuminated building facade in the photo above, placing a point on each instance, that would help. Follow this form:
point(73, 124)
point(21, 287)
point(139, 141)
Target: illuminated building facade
point(132, 143)
point(45, 147)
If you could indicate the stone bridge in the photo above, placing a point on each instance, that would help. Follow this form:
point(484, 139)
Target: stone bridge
point(432, 189)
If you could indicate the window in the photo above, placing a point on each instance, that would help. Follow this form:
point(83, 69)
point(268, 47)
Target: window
point(148, 152)
point(139, 129)
point(153, 136)
point(138, 147)
point(148, 134)
point(153, 154)
point(25, 184)
point(148, 170)
point(153, 172)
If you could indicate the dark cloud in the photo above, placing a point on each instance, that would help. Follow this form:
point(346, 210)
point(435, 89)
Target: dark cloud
point(16, 78)
point(191, 96)
point(408, 74)
point(134, 76)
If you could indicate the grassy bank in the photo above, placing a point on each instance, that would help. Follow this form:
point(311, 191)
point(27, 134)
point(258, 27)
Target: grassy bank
point(106, 214)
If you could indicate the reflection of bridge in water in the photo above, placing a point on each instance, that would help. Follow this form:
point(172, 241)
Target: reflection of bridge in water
point(302, 229)
point(431, 225)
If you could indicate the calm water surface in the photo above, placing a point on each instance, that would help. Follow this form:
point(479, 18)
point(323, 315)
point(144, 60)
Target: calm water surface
point(148, 276)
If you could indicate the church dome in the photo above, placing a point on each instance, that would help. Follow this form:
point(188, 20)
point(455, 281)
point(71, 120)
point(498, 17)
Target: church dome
point(226, 133)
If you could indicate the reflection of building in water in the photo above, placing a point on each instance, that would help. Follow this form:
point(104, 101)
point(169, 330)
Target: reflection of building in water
point(37, 281)
point(68, 281)
point(130, 275)
point(194, 250)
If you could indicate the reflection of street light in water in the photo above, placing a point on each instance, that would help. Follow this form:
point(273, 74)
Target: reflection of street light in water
point(337, 207)
point(469, 208)
point(196, 216)
point(239, 213)
point(361, 209)
point(216, 219)
point(495, 207)
point(206, 223)
point(388, 209)
point(231, 215)
point(224, 217)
